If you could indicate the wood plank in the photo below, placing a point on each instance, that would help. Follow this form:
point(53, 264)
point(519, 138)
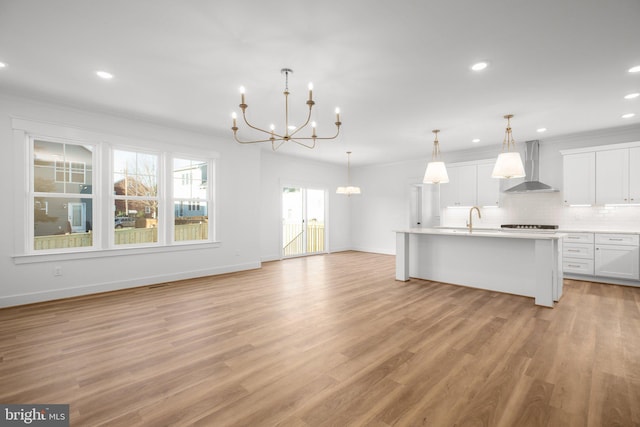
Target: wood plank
point(327, 340)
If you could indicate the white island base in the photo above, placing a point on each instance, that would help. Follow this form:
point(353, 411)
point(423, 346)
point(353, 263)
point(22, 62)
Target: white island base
point(527, 264)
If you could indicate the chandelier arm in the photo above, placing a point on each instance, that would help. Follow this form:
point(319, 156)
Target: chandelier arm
point(253, 142)
point(304, 145)
point(275, 147)
point(326, 137)
point(304, 125)
point(244, 116)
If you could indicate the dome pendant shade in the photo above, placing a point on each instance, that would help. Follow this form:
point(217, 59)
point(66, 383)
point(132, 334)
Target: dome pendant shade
point(508, 165)
point(349, 189)
point(436, 173)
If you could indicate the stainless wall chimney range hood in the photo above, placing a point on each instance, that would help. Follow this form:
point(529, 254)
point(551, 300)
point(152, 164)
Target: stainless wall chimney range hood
point(531, 169)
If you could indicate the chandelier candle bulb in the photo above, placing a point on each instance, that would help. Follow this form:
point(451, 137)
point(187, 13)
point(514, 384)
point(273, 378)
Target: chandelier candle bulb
point(234, 116)
point(337, 114)
point(310, 91)
point(242, 94)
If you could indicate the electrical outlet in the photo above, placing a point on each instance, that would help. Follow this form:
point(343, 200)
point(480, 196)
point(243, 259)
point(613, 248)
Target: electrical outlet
point(57, 270)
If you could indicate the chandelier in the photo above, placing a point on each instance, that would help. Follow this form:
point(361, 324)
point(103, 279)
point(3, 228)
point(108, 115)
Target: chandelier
point(349, 189)
point(436, 172)
point(290, 132)
point(509, 163)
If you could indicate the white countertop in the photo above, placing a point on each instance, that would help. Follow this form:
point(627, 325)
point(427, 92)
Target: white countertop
point(484, 232)
point(559, 230)
point(582, 230)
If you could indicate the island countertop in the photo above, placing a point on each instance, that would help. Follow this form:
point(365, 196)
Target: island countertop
point(485, 233)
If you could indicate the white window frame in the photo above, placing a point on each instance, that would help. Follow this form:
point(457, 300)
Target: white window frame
point(24, 130)
point(210, 198)
point(158, 198)
point(32, 194)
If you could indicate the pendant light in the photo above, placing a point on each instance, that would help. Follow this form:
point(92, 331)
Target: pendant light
point(349, 189)
point(509, 163)
point(436, 172)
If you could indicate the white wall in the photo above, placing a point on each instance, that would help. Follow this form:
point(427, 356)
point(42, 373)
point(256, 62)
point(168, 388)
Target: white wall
point(237, 199)
point(384, 203)
point(278, 169)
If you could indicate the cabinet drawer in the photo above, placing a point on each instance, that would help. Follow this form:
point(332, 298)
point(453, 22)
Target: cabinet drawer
point(577, 250)
point(617, 239)
point(578, 266)
point(579, 238)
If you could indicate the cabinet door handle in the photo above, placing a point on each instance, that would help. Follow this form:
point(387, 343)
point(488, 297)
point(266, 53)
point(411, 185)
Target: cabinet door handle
point(615, 240)
point(573, 265)
point(572, 237)
point(573, 250)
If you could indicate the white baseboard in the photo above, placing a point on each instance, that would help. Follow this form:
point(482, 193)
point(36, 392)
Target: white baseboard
point(33, 297)
point(374, 250)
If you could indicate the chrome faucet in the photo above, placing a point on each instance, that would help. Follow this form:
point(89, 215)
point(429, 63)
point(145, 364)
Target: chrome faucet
point(470, 223)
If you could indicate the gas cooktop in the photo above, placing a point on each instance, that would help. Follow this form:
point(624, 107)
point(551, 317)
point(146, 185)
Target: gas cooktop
point(529, 227)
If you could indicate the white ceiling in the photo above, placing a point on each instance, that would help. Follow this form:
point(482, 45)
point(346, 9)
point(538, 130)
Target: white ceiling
point(397, 69)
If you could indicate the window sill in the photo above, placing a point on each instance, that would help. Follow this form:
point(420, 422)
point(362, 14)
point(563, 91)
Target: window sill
point(104, 253)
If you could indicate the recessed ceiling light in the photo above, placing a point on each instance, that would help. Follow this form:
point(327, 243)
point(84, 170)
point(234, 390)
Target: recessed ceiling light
point(628, 115)
point(475, 140)
point(104, 75)
point(632, 95)
point(635, 69)
point(540, 130)
point(2, 65)
point(479, 66)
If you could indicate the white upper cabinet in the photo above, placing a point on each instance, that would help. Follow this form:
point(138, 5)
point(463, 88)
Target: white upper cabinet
point(461, 188)
point(634, 175)
point(579, 171)
point(617, 176)
point(470, 184)
point(488, 187)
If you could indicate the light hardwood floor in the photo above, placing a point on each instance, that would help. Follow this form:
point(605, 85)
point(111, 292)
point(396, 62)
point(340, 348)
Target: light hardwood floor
point(329, 340)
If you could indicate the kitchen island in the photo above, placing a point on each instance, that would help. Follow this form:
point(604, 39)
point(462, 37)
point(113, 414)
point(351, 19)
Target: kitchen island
point(520, 263)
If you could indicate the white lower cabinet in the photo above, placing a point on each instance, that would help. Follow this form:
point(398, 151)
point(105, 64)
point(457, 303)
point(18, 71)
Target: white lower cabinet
point(617, 255)
point(577, 253)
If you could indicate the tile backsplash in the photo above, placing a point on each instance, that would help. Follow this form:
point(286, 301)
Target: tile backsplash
point(546, 208)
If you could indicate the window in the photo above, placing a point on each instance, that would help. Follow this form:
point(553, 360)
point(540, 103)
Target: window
point(61, 194)
point(190, 195)
point(88, 192)
point(135, 189)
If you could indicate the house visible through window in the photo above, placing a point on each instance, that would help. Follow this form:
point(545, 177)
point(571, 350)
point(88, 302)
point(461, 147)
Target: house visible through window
point(135, 189)
point(190, 195)
point(61, 194)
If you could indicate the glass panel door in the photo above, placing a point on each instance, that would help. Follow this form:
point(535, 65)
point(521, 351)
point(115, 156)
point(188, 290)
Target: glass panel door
point(77, 217)
point(303, 221)
point(315, 221)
